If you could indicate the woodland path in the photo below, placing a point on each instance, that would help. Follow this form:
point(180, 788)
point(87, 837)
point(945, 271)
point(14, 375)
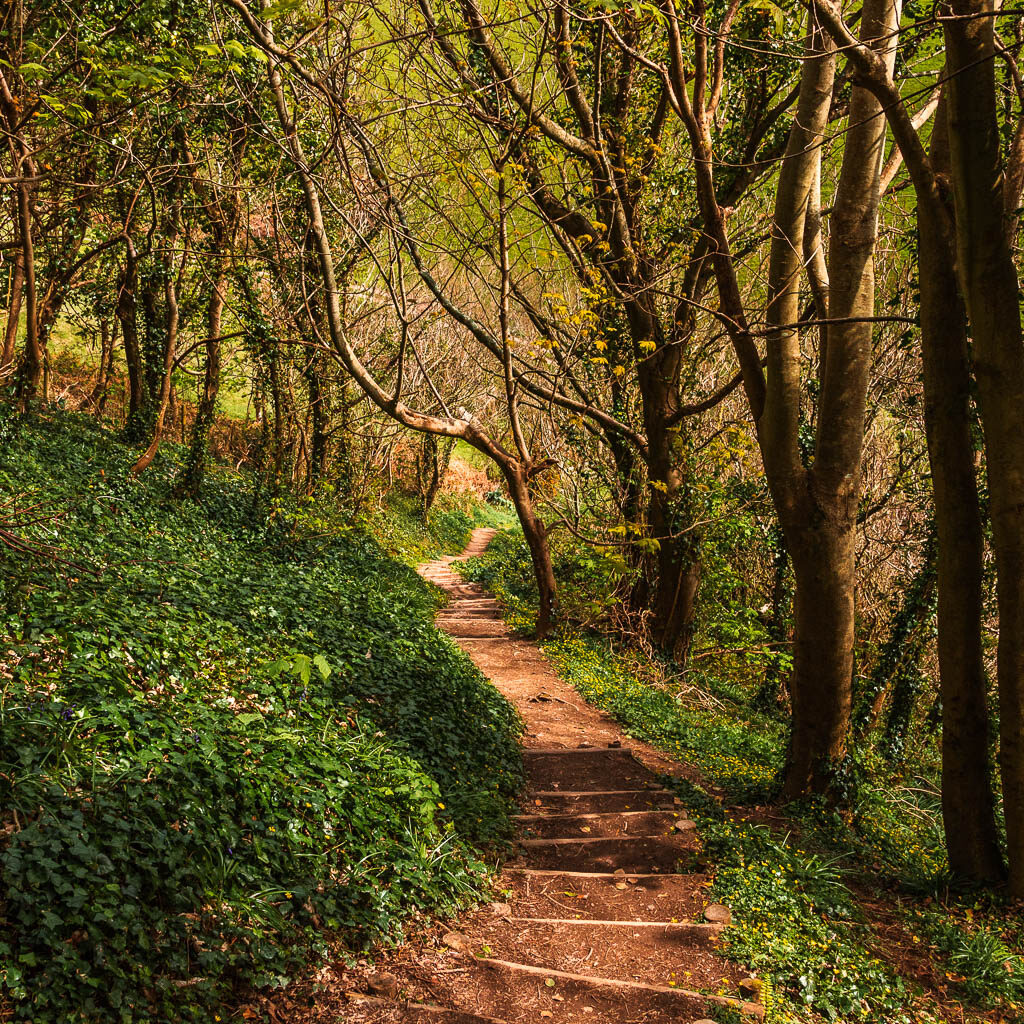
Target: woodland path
point(605, 920)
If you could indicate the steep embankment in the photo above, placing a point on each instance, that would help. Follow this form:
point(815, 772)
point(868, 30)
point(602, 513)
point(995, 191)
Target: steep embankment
point(229, 735)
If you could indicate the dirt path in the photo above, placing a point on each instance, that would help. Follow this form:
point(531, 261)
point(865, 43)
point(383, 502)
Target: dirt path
point(601, 921)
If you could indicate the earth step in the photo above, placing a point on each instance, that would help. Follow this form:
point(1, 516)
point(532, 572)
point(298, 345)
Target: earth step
point(456, 611)
point(365, 1009)
point(460, 629)
point(605, 896)
point(521, 993)
point(578, 769)
point(664, 954)
point(578, 773)
point(633, 854)
point(597, 802)
point(584, 752)
point(613, 823)
point(466, 620)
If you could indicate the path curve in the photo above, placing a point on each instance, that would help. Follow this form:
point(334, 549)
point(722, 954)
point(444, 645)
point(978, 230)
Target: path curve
point(604, 914)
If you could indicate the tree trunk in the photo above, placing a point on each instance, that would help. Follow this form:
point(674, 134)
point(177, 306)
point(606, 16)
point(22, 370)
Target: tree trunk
point(822, 532)
point(968, 811)
point(17, 291)
point(822, 551)
point(127, 314)
point(432, 467)
point(676, 562)
point(191, 480)
point(990, 287)
point(108, 338)
point(170, 350)
point(319, 420)
point(30, 370)
point(536, 538)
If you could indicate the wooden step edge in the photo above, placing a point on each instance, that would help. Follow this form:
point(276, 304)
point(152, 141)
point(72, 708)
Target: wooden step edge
point(467, 620)
point(584, 751)
point(700, 927)
point(599, 815)
point(554, 872)
point(408, 1004)
point(565, 840)
point(600, 792)
point(501, 636)
point(750, 1009)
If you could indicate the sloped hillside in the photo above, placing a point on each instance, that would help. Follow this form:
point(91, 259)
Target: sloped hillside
point(231, 740)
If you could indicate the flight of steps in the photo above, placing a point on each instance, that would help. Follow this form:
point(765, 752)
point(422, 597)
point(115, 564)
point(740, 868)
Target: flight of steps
point(602, 916)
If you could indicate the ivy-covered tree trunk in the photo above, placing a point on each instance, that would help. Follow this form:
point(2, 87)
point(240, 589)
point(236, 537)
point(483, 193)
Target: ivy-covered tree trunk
point(968, 804)
point(127, 312)
point(192, 475)
point(991, 289)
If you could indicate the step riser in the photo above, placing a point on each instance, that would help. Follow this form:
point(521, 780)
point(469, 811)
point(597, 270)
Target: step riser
point(618, 952)
point(600, 803)
point(609, 855)
point(581, 779)
point(493, 989)
point(659, 897)
point(650, 823)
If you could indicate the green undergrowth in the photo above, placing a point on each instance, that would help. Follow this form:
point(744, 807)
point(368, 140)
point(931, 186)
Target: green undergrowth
point(798, 920)
point(232, 743)
point(399, 529)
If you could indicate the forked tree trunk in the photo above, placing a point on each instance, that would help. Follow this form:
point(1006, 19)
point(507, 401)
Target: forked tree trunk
point(968, 812)
point(991, 290)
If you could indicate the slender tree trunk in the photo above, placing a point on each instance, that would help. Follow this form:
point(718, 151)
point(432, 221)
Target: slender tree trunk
point(676, 562)
point(434, 458)
point(536, 538)
point(30, 371)
point(170, 351)
point(17, 291)
point(191, 480)
point(968, 811)
point(108, 338)
point(991, 291)
point(127, 314)
point(319, 420)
